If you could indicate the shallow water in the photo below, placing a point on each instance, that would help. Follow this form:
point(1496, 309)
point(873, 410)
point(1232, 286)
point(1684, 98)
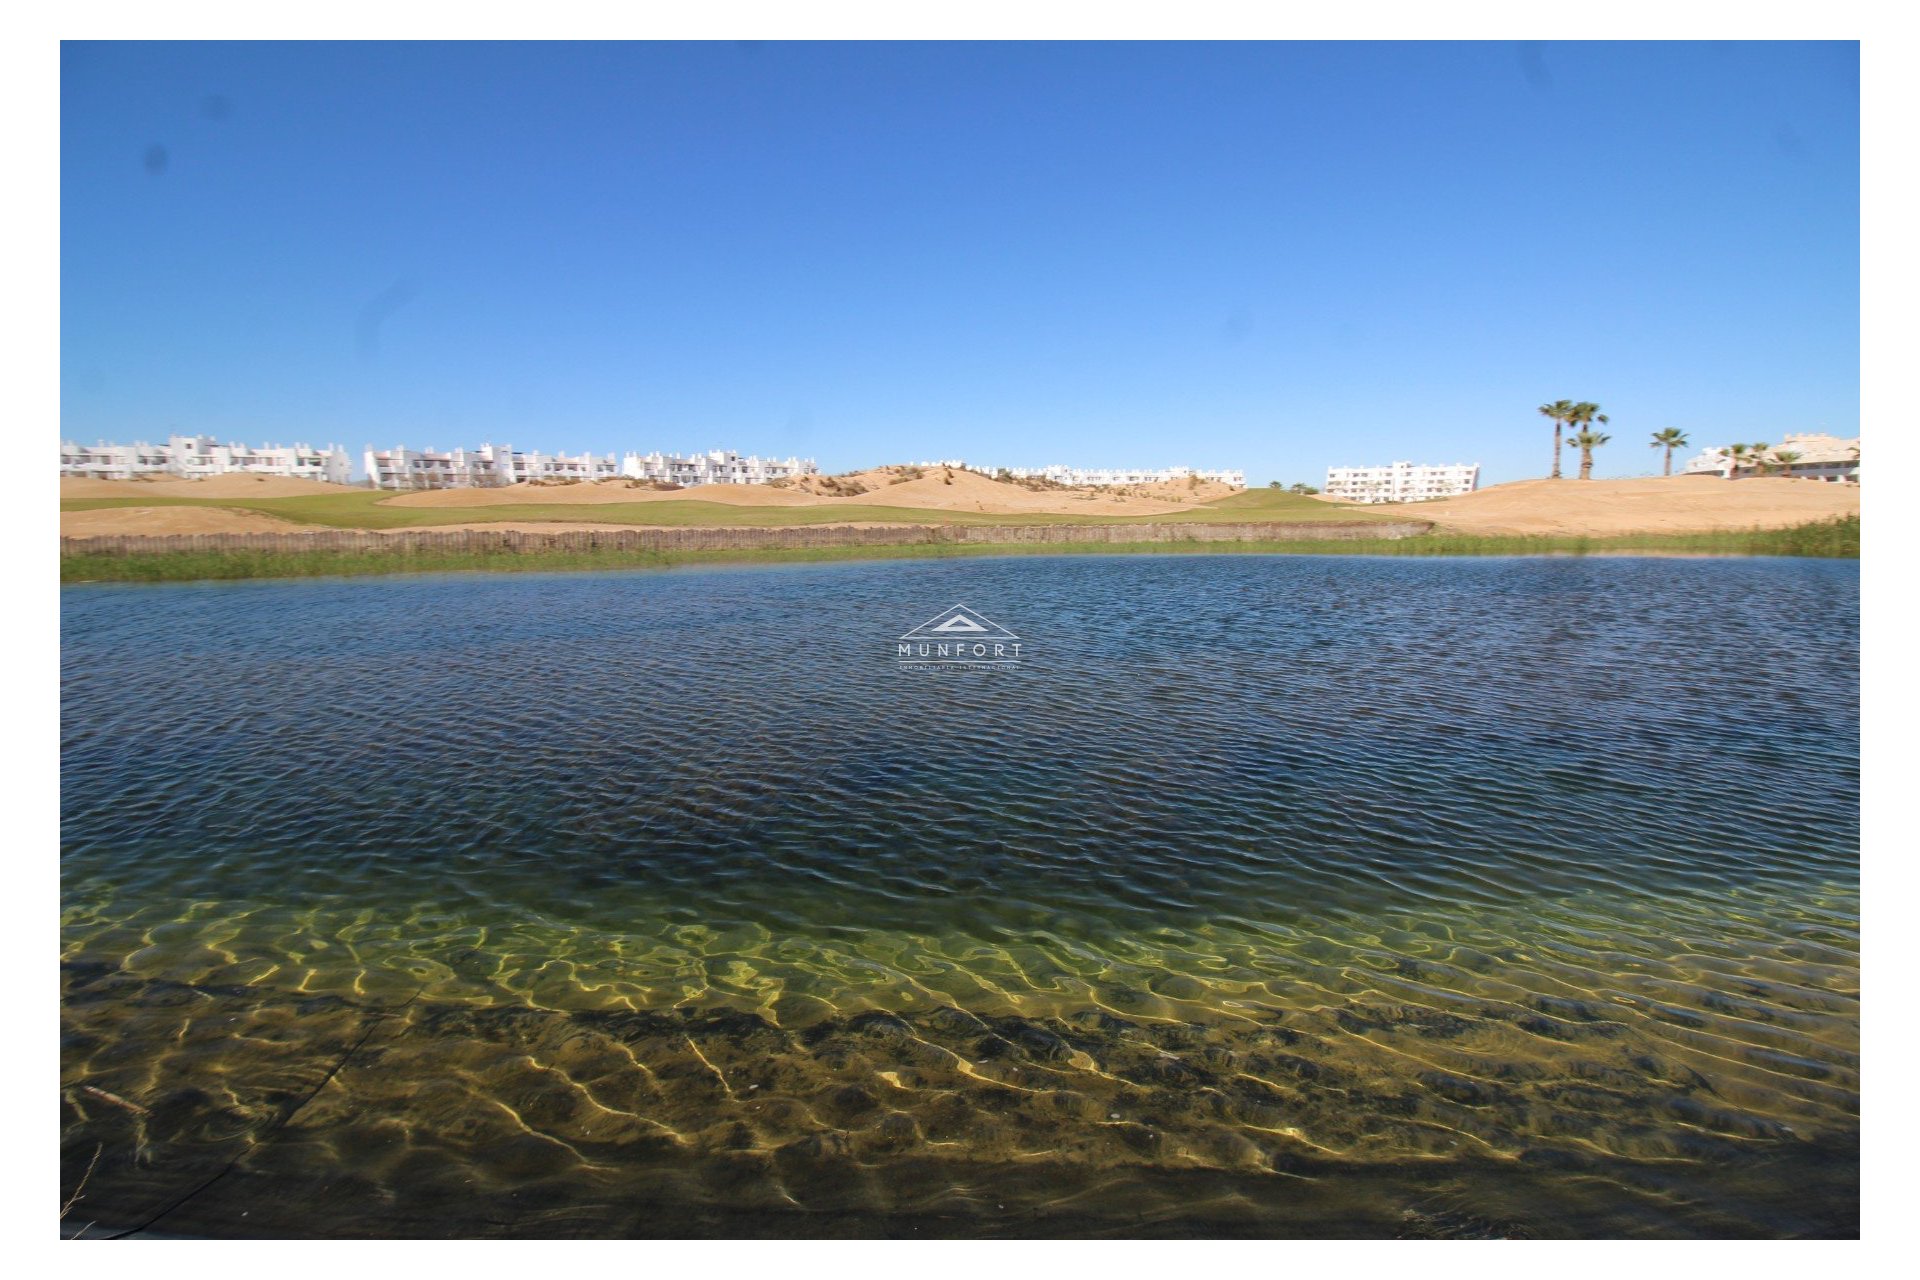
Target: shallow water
point(1265, 896)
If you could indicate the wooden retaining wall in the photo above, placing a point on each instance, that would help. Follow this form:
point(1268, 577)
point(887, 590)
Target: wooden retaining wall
point(487, 541)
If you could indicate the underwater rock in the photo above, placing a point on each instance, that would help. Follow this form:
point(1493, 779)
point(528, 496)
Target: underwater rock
point(849, 1102)
point(1176, 986)
point(885, 1028)
point(954, 1022)
point(1468, 1093)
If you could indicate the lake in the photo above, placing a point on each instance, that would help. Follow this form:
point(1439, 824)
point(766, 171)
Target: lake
point(1266, 896)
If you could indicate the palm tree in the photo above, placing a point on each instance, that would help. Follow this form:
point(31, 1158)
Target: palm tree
point(1786, 458)
point(1742, 455)
point(1587, 440)
point(1582, 415)
point(1758, 456)
point(1560, 411)
point(1669, 438)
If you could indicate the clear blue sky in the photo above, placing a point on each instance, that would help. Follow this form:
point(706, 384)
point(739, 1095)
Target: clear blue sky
point(1274, 256)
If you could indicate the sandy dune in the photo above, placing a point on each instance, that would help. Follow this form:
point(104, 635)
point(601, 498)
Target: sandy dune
point(883, 486)
point(1180, 491)
point(970, 491)
point(76, 487)
point(1676, 504)
point(158, 520)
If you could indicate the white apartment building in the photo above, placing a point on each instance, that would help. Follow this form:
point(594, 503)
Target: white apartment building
point(1401, 482)
point(192, 457)
point(489, 466)
point(1822, 457)
point(533, 465)
point(494, 465)
point(1100, 476)
point(716, 466)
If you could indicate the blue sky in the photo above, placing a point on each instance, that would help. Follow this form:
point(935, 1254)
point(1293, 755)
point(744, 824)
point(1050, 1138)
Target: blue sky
point(1273, 256)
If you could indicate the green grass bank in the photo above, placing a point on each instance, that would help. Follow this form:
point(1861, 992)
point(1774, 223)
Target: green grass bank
point(1831, 539)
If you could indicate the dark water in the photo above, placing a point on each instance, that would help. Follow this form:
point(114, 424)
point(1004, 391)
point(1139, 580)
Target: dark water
point(1267, 896)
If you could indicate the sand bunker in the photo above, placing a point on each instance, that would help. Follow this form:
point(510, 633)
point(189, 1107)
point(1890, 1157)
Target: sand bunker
point(75, 487)
point(593, 526)
point(138, 521)
point(1674, 504)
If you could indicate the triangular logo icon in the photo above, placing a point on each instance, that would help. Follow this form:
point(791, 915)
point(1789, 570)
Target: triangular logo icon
point(960, 622)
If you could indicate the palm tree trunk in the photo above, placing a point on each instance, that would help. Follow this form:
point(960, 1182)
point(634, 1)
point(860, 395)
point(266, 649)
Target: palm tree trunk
point(1669, 467)
point(1586, 464)
point(1556, 450)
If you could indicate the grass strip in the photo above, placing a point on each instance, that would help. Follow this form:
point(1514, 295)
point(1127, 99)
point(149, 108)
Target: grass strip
point(1828, 539)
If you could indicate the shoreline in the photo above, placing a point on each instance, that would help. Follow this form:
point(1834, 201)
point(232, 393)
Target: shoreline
point(1830, 539)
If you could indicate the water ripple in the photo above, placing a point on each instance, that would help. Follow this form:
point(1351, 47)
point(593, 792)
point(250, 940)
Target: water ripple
point(1260, 874)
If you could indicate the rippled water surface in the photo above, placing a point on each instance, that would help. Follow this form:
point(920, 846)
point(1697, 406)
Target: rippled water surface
point(1267, 896)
